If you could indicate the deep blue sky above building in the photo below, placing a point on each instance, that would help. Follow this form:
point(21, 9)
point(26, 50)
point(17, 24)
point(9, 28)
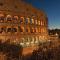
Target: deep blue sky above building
point(52, 9)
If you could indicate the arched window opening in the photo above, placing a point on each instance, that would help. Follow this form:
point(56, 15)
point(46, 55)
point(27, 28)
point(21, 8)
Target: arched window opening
point(27, 29)
point(9, 29)
point(21, 28)
point(14, 29)
point(32, 41)
point(42, 30)
point(36, 30)
point(32, 30)
point(42, 22)
point(32, 21)
point(26, 39)
point(39, 22)
point(2, 30)
point(36, 40)
point(22, 42)
point(9, 18)
point(39, 29)
point(15, 18)
point(36, 22)
point(1, 18)
point(21, 19)
point(27, 21)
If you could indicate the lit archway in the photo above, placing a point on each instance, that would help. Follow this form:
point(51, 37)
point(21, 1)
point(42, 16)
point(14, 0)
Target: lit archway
point(8, 18)
point(2, 17)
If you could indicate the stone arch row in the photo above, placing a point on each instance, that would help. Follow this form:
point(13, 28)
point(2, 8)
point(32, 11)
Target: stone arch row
point(32, 40)
point(24, 41)
point(22, 19)
point(22, 29)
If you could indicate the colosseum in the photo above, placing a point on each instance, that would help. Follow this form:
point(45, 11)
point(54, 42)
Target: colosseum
point(21, 23)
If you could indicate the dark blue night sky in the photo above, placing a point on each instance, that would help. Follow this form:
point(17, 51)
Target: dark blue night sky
point(52, 9)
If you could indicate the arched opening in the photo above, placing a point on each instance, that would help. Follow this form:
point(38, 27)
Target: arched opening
point(36, 29)
point(15, 19)
point(32, 41)
point(9, 29)
point(27, 29)
point(32, 29)
point(32, 21)
point(14, 30)
point(39, 29)
point(2, 18)
point(36, 22)
point(42, 30)
point(22, 42)
point(8, 18)
point(2, 29)
point(36, 40)
point(42, 22)
point(39, 22)
point(27, 20)
point(21, 29)
point(21, 20)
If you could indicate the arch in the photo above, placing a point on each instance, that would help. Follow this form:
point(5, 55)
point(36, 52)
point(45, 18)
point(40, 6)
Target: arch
point(14, 29)
point(9, 18)
point(9, 29)
point(36, 29)
point(22, 42)
point(27, 20)
point(36, 39)
point(2, 29)
point(36, 22)
point(42, 22)
point(21, 28)
point(32, 29)
point(2, 17)
point(39, 29)
point(15, 18)
point(32, 21)
point(27, 29)
point(32, 41)
point(21, 20)
point(42, 30)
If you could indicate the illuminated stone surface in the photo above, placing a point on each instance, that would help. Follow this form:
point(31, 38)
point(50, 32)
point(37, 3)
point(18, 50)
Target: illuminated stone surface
point(20, 23)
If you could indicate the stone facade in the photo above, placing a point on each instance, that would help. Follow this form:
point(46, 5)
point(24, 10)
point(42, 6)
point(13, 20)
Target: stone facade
point(20, 23)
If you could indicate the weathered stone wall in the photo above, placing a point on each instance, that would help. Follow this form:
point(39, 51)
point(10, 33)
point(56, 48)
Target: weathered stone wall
point(20, 23)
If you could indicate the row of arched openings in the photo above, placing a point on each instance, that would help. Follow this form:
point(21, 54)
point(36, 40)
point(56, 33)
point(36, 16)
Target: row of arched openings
point(22, 29)
point(15, 19)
